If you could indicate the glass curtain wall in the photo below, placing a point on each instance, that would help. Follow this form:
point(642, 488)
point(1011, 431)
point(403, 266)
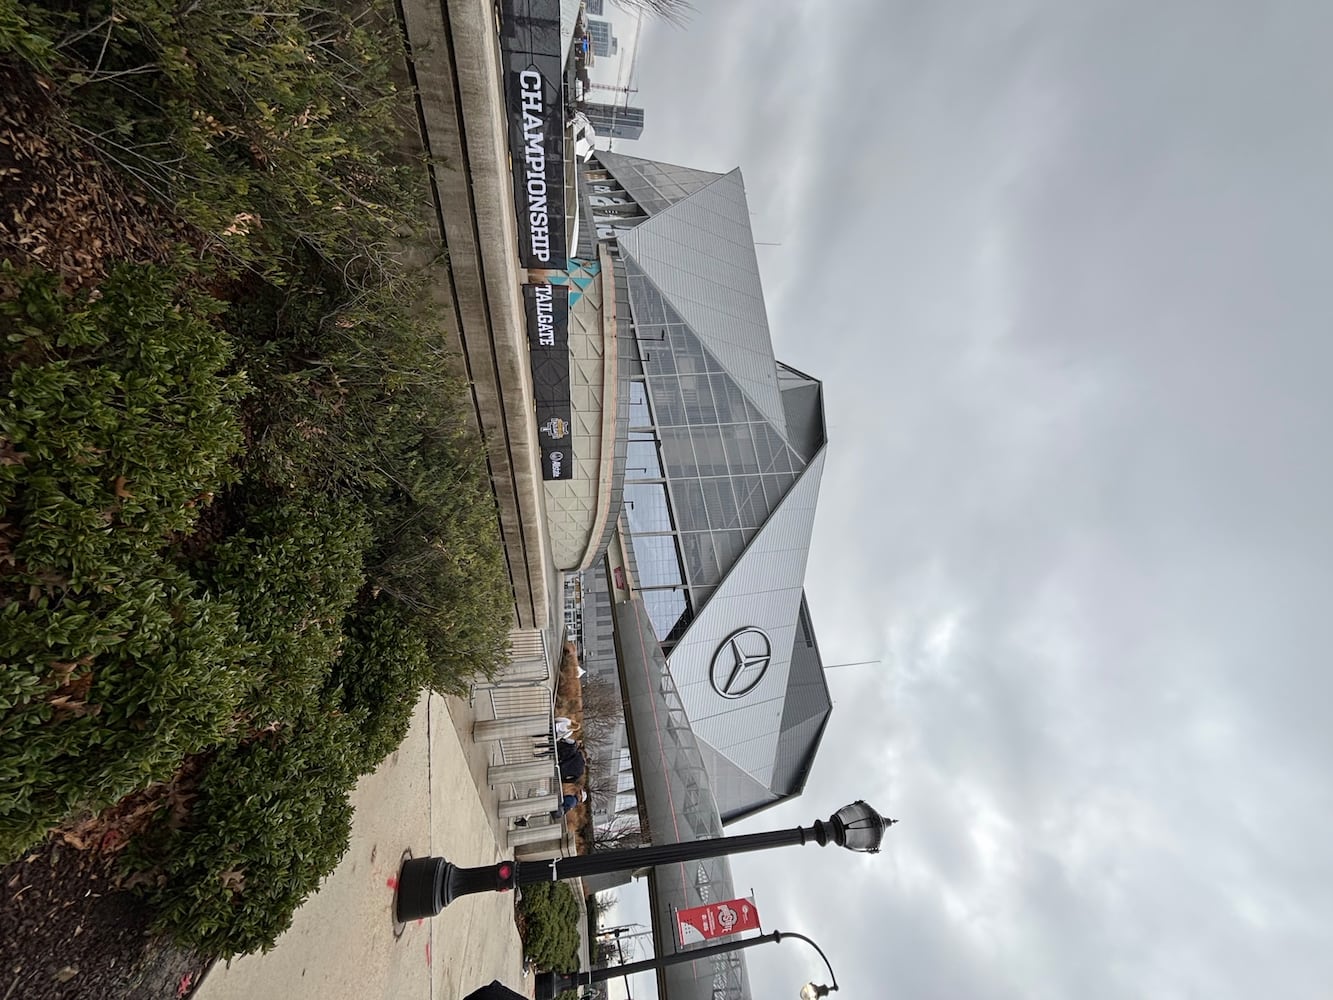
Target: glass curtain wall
point(704, 467)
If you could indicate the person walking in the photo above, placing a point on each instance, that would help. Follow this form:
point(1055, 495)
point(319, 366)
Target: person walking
point(569, 802)
point(572, 761)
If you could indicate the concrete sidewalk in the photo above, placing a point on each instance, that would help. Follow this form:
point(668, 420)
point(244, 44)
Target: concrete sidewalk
point(342, 944)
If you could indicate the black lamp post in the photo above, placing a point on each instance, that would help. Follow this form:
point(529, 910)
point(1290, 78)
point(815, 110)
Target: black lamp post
point(551, 984)
point(427, 885)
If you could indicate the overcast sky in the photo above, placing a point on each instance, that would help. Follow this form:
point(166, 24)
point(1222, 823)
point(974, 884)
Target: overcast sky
point(1064, 269)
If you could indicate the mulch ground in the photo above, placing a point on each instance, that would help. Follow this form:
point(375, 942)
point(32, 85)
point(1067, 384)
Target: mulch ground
point(68, 929)
point(67, 932)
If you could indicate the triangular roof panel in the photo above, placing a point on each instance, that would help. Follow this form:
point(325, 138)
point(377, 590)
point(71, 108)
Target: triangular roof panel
point(700, 253)
point(763, 590)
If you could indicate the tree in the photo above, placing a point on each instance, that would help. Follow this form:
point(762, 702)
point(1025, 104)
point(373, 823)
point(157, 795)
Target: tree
point(603, 712)
point(626, 832)
point(676, 13)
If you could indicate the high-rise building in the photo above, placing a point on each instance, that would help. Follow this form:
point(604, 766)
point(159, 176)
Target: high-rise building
point(600, 39)
point(615, 122)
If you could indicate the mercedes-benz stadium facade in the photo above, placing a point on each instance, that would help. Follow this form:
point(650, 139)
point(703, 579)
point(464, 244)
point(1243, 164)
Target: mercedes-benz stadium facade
point(714, 476)
point(680, 465)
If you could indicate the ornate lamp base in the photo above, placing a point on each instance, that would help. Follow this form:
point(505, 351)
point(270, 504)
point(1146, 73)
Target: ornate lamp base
point(427, 885)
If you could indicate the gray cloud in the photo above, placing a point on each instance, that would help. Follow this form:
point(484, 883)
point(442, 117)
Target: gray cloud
point(1064, 271)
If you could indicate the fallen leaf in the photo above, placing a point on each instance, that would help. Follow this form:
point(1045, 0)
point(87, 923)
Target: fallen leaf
point(72, 708)
point(233, 879)
point(119, 486)
point(137, 879)
point(61, 671)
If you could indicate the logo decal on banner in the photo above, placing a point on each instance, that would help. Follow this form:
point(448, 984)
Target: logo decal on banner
point(740, 663)
point(703, 923)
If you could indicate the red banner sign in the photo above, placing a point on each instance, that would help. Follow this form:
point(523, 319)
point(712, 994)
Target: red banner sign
point(702, 923)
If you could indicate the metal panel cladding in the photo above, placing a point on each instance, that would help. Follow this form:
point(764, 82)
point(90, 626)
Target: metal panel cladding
point(677, 803)
point(530, 40)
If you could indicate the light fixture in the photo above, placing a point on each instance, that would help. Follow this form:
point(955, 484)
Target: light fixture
point(858, 827)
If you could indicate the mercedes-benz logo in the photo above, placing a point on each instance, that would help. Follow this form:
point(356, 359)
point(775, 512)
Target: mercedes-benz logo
point(740, 662)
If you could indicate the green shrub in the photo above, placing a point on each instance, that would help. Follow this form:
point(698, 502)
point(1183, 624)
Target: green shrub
point(262, 124)
point(105, 693)
point(18, 37)
point(379, 678)
point(364, 558)
point(370, 405)
point(116, 422)
point(292, 571)
point(440, 555)
point(116, 425)
point(271, 820)
point(549, 916)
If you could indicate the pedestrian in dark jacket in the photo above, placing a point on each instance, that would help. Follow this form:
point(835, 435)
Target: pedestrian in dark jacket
point(572, 762)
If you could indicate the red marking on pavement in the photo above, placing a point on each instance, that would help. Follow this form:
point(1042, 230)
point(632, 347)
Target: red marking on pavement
point(392, 883)
point(428, 953)
point(420, 921)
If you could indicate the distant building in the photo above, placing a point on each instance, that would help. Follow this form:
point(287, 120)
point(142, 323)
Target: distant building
point(602, 42)
point(613, 122)
point(593, 7)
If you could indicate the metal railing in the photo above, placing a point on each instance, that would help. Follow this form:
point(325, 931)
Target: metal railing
point(522, 702)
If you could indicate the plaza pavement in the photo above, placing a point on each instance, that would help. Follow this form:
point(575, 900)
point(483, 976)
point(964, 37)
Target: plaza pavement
point(342, 943)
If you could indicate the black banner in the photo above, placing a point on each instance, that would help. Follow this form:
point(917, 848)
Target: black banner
point(547, 308)
point(534, 92)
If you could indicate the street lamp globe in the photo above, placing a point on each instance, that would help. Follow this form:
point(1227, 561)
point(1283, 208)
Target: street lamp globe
point(812, 992)
point(858, 827)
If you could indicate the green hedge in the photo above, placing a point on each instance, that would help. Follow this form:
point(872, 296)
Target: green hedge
point(115, 422)
point(292, 570)
point(261, 125)
point(550, 919)
point(236, 536)
point(378, 679)
point(369, 406)
point(271, 821)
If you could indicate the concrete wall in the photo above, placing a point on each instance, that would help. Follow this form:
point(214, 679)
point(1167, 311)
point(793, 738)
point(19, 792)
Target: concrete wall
point(454, 63)
point(577, 509)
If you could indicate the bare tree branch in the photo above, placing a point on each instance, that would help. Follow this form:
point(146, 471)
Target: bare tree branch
point(676, 13)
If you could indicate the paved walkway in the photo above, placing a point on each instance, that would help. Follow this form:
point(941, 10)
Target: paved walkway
point(341, 943)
